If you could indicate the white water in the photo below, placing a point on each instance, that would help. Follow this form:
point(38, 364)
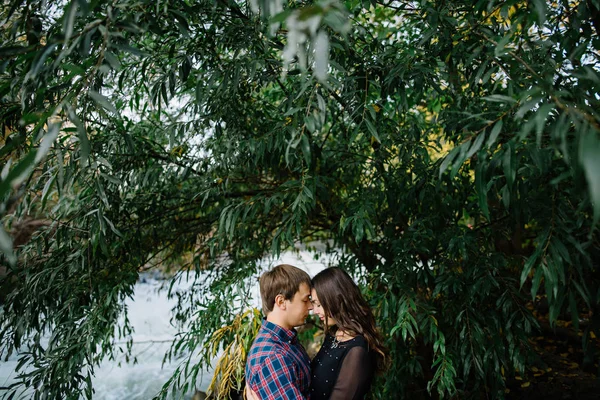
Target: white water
point(149, 314)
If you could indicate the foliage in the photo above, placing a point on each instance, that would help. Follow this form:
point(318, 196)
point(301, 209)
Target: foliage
point(451, 153)
point(229, 371)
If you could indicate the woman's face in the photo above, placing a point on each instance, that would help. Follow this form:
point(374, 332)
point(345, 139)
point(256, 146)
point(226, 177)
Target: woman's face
point(318, 309)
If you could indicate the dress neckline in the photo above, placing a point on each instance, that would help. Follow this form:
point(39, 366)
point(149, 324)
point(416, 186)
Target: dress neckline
point(335, 342)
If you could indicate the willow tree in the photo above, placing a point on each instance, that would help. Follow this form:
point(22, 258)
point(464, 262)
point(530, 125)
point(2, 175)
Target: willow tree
point(450, 149)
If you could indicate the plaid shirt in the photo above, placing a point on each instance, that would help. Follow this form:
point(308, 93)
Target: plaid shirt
point(278, 367)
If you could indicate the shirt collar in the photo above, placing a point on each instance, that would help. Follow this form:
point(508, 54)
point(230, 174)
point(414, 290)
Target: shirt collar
point(284, 335)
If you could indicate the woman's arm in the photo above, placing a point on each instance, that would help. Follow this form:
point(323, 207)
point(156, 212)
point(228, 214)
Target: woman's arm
point(355, 376)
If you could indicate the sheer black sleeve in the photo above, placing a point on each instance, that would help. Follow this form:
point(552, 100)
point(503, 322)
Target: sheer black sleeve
point(355, 376)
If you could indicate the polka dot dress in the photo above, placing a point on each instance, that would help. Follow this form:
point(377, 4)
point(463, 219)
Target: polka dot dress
point(326, 366)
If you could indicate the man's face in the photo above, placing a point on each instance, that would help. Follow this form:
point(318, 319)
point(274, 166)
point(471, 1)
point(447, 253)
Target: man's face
point(298, 307)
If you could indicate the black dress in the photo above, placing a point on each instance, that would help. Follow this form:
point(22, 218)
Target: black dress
point(342, 370)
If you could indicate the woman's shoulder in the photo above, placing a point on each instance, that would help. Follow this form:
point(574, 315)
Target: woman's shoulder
point(358, 340)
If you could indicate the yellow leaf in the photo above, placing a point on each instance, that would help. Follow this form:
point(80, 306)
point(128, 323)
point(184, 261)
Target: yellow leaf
point(518, 378)
point(525, 384)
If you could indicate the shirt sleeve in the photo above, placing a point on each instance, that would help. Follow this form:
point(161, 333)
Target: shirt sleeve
point(274, 379)
point(355, 376)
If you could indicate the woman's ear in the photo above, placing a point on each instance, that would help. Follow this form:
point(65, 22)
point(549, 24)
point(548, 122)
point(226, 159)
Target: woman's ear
point(280, 301)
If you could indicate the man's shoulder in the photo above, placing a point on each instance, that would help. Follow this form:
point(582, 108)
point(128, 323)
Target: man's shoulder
point(265, 348)
point(264, 345)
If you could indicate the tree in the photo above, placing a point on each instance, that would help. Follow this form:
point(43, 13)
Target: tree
point(450, 148)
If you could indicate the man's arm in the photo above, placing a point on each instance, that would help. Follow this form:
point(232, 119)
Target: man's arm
point(250, 395)
point(274, 379)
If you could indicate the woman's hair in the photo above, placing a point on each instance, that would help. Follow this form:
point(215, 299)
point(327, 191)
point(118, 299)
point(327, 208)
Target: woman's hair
point(342, 300)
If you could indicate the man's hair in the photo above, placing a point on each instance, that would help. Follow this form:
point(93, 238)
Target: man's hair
point(283, 279)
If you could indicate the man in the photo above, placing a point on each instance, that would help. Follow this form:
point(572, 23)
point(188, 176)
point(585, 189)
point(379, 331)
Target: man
point(278, 366)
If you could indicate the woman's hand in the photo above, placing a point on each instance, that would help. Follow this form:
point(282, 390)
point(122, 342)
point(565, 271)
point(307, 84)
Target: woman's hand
point(250, 395)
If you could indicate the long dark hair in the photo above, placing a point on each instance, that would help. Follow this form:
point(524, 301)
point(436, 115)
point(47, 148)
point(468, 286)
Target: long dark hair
point(342, 300)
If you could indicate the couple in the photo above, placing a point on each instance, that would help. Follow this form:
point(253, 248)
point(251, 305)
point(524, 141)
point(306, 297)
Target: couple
point(278, 366)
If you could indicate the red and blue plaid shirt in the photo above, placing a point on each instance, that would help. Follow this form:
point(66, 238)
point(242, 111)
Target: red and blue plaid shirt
point(278, 367)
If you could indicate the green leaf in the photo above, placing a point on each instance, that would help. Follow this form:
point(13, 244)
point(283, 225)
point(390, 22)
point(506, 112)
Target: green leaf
point(101, 193)
point(6, 246)
point(561, 249)
point(448, 159)
point(499, 98)
point(102, 101)
point(509, 163)
point(482, 189)
point(112, 227)
point(280, 17)
point(476, 145)
point(46, 190)
point(372, 130)
point(131, 50)
point(525, 108)
point(494, 134)
point(305, 147)
point(535, 283)
point(112, 60)
point(69, 20)
point(47, 141)
point(460, 159)
point(500, 48)
point(84, 143)
point(18, 173)
point(40, 61)
point(531, 261)
point(590, 160)
point(539, 7)
point(540, 121)
point(321, 103)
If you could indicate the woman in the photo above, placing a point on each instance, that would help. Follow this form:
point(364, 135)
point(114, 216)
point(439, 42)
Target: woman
point(352, 351)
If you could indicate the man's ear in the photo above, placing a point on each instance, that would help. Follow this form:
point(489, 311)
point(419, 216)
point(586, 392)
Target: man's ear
point(280, 301)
